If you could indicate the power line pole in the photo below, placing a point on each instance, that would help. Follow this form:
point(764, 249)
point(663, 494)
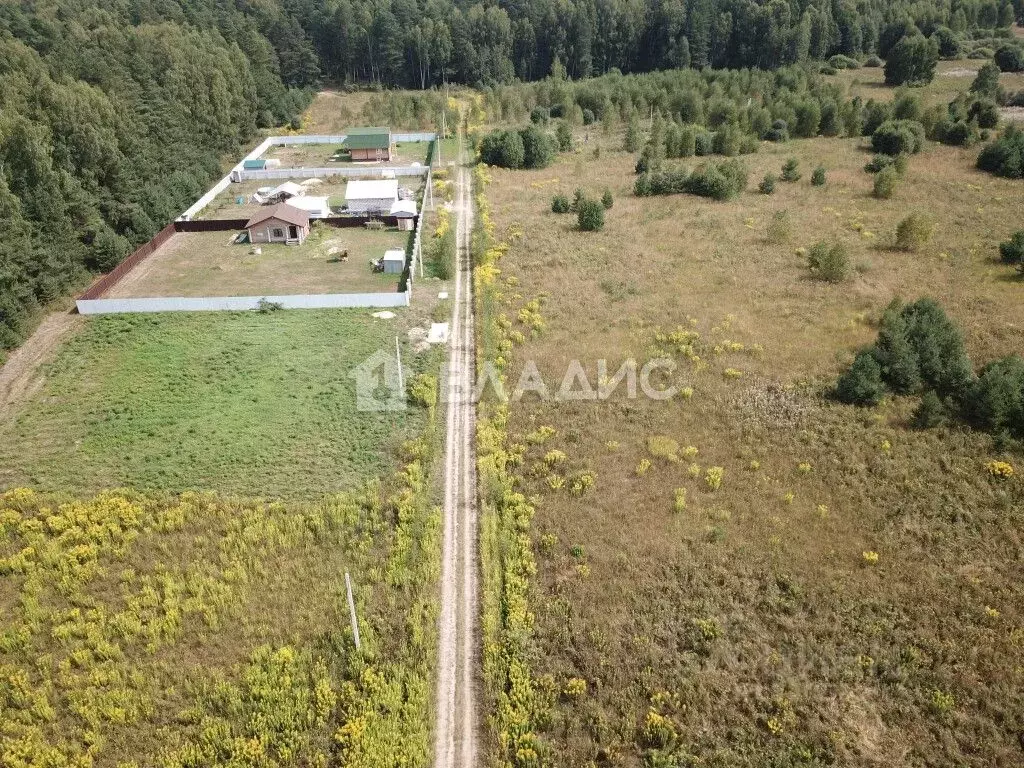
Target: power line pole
point(352, 611)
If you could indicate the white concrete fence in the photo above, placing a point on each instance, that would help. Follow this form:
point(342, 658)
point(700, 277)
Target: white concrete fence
point(242, 303)
point(284, 141)
point(375, 172)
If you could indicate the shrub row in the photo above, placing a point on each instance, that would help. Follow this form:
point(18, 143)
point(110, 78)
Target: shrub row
point(720, 181)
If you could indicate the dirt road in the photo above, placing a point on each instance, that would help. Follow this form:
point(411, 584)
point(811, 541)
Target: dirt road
point(19, 376)
point(455, 735)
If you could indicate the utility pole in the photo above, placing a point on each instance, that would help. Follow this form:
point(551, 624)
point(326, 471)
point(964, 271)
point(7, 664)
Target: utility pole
point(352, 611)
point(398, 354)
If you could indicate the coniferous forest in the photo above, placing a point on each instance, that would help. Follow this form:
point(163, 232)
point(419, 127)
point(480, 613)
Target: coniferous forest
point(115, 114)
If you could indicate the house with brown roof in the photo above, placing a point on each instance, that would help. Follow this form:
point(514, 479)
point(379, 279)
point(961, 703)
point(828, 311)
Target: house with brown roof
point(281, 223)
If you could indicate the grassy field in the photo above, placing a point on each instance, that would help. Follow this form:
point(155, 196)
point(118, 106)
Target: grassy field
point(249, 404)
point(211, 264)
point(761, 576)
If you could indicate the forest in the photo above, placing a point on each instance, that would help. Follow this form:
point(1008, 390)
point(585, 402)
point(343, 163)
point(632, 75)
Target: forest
point(115, 114)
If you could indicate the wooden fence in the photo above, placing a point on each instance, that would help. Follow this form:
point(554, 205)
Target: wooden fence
point(105, 282)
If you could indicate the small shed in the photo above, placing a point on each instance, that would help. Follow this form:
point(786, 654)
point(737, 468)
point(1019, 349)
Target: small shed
point(371, 197)
point(394, 261)
point(369, 144)
point(282, 223)
point(405, 212)
point(316, 206)
point(260, 164)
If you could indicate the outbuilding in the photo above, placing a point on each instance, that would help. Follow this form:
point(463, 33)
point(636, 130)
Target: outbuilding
point(405, 212)
point(260, 164)
point(369, 144)
point(373, 197)
point(281, 223)
point(394, 261)
point(316, 206)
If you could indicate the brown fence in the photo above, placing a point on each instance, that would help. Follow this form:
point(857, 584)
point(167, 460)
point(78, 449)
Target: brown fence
point(210, 225)
point(105, 282)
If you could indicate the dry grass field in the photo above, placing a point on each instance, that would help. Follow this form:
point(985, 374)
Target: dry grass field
point(951, 78)
point(212, 264)
point(849, 594)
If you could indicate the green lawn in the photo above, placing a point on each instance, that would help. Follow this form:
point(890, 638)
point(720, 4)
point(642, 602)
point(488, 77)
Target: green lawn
point(243, 403)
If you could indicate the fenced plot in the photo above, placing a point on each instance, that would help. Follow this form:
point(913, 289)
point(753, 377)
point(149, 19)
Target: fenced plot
point(320, 155)
point(194, 264)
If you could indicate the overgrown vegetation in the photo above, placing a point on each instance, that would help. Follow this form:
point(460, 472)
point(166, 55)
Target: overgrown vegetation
point(228, 617)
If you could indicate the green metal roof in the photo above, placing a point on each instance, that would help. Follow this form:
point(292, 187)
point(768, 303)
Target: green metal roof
point(368, 138)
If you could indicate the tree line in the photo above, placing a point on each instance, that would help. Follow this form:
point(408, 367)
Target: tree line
point(114, 117)
point(419, 44)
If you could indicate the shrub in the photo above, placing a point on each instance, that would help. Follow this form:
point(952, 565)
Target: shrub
point(563, 135)
point(590, 215)
point(1005, 155)
point(1012, 250)
point(503, 148)
point(948, 42)
point(878, 163)
point(885, 183)
point(898, 137)
point(779, 228)
point(960, 134)
point(839, 61)
point(588, 117)
point(607, 200)
point(996, 401)
point(578, 196)
point(829, 262)
point(767, 185)
point(631, 142)
point(723, 181)
point(818, 177)
point(538, 148)
point(912, 61)
point(920, 348)
point(861, 383)
point(986, 82)
point(778, 132)
point(1009, 58)
point(873, 61)
point(791, 170)
point(560, 203)
point(930, 412)
point(540, 115)
point(913, 232)
point(984, 112)
point(703, 144)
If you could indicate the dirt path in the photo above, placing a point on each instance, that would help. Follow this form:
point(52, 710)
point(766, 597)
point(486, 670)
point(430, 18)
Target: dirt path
point(19, 376)
point(455, 734)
